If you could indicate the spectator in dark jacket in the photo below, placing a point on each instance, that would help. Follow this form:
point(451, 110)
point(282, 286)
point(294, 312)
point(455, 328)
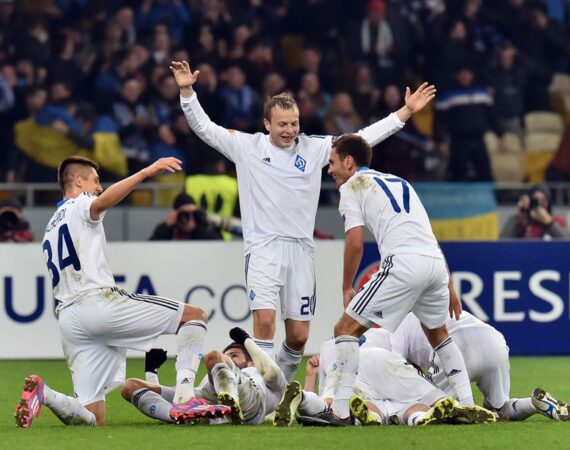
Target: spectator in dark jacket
point(508, 77)
point(463, 115)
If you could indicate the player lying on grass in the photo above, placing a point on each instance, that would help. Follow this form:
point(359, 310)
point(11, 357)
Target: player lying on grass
point(391, 391)
point(98, 321)
point(241, 377)
point(486, 357)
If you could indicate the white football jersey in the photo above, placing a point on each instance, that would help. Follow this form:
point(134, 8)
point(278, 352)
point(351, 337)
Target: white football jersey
point(410, 341)
point(390, 208)
point(74, 249)
point(278, 188)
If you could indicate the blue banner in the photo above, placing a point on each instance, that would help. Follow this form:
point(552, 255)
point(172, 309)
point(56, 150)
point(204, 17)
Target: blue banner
point(520, 288)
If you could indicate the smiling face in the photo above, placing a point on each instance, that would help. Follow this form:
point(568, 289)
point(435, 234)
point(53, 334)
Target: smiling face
point(282, 126)
point(340, 169)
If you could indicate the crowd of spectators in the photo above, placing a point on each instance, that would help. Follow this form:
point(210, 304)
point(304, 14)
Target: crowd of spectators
point(78, 66)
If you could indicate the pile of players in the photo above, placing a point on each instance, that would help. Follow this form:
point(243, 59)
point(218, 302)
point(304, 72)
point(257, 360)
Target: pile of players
point(366, 375)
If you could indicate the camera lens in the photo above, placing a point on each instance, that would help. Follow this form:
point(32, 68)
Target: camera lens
point(533, 203)
point(183, 217)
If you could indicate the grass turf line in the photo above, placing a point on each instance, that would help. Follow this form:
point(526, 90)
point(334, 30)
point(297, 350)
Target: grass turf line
point(127, 428)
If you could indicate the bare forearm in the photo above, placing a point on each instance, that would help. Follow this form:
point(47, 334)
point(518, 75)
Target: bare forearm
point(186, 92)
point(311, 383)
point(404, 113)
point(352, 256)
point(115, 193)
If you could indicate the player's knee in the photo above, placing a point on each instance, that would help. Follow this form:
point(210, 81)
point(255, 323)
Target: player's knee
point(437, 335)
point(130, 386)
point(212, 358)
point(192, 312)
point(341, 329)
point(297, 339)
point(265, 328)
point(347, 326)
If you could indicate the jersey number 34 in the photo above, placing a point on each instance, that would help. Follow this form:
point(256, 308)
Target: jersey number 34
point(64, 242)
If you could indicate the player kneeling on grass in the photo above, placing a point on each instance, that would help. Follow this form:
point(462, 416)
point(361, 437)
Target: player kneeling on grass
point(391, 391)
point(98, 321)
point(241, 377)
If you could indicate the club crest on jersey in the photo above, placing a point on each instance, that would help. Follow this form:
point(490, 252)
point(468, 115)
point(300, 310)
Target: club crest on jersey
point(300, 163)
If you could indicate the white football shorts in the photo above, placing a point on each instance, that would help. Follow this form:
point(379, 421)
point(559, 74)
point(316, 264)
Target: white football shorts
point(97, 330)
point(404, 283)
point(393, 385)
point(282, 270)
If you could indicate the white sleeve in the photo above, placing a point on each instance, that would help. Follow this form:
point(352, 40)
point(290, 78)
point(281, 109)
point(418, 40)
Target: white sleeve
point(83, 202)
point(349, 209)
point(325, 149)
point(225, 141)
point(381, 130)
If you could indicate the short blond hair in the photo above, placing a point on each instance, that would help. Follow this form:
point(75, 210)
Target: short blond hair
point(283, 100)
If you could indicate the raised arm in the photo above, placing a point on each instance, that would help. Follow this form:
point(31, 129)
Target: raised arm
point(118, 191)
point(384, 128)
point(223, 140)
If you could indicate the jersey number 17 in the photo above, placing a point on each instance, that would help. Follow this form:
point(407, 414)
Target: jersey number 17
point(393, 201)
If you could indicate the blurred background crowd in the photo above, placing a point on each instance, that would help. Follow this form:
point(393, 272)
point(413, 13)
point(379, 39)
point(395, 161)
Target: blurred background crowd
point(91, 77)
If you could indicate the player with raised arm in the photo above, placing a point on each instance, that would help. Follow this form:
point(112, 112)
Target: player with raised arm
point(413, 275)
point(279, 181)
point(98, 321)
point(242, 377)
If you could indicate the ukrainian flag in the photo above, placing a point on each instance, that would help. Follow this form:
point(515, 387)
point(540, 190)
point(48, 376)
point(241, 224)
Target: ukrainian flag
point(460, 210)
point(49, 147)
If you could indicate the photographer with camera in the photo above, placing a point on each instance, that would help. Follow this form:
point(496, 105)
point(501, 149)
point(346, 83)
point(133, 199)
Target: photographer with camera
point(13, 226)
point(534, 219)
point(185, 221)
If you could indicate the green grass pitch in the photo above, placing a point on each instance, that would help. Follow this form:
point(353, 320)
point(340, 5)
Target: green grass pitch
point(126, 428)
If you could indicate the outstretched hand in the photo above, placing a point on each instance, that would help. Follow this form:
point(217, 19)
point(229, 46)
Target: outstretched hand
point(169, 164)
point(424, 94)
point(185, 78)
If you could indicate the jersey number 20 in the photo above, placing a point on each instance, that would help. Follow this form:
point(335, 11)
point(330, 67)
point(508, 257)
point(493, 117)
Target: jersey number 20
point(63, 240)
point(405, 193)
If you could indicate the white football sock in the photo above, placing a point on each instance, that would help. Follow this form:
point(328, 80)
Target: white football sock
point(268, 369)
point(346, 363)
point(224, 380)
point(167, 393)
point(267, 346)
point(453, 366)
point(519, 408)
point(152, 405)
point(68, 409)
point(412, 420)
point(288, 361)
point(312, 404)
point(189, 351)
point(151, 377)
